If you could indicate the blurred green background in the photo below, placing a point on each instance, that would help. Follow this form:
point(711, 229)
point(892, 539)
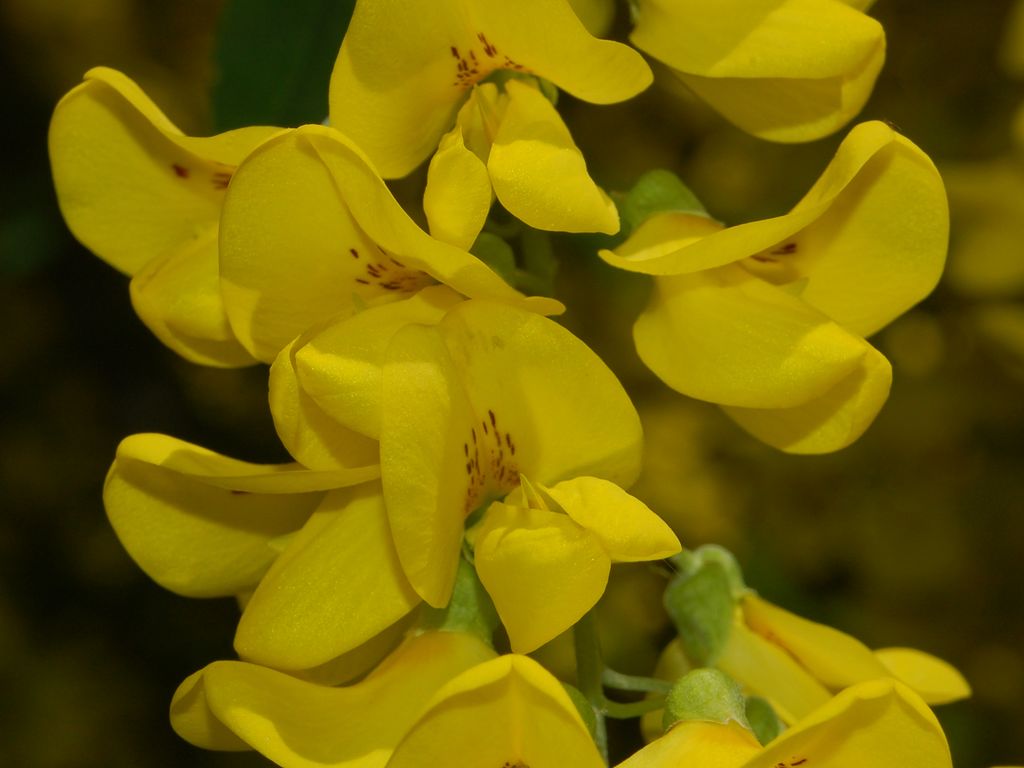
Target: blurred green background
point(913, 536)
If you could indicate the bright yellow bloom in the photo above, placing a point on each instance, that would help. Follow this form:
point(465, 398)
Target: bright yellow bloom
point(546, 563)
point(514, 141)
point(508, 712)
point(310, 232)
point(406, 66)
point(232, 705)
point(785, 70)
point(880, 723)
point(768, 319)
point(146, 199)
point(204, 525)
point(463, 397)
point(797, 664)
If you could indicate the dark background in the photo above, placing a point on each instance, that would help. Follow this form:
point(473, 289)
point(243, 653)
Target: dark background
point(914, 536)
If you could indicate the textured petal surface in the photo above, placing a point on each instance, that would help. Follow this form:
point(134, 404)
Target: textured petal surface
point(297, 723)
point(201, 524)
point(882, 722)
point(829, 422)
point(397, 106)
point(936, 681)
point(626, 527)
point(508, 711)
point(726, 336)
point(542, 570)
point(786, 70)
point(130, 185)
point(491, 392)
point(538, 173)
point(337, 584)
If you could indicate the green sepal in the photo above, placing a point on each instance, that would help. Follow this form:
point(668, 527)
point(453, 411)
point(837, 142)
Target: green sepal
point(705, 694)
point(764, 722)
point(469, 610)
point(496, 254)
point(657, 191)
point(701, 604)
point(584, 707)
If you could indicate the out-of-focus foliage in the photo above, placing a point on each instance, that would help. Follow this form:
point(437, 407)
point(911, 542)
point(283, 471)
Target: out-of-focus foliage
point(911, 536)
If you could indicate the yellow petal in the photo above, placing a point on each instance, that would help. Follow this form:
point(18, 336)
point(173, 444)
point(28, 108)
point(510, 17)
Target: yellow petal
point(364, 658)
point(725, 336)
point(626, 527)
point(491, 392)
point(541, 569)
point(340, 368)
point(310, 434)
point(338, 584)
point(833, 657)
point(538, 173)
point(297, 723)
point(130, 186)
point(765, 669)
point(396, 87)
point(785, 70)
point(829, 422)
point(697, 743)
point(202, 524)
point(936, 681)
point(869, 238)
point(386, 223)
point(177, 295)
point(508, 711)
point(881, 723)
point(458, 194)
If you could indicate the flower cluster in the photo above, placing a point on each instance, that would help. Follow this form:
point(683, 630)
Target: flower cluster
point(458, 491)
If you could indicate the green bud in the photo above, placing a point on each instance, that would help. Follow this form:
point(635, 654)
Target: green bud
point(762, 718)
point(713, 553)
point(705, 694)
point(657, 191)
point(701, 605)
point(469, 610)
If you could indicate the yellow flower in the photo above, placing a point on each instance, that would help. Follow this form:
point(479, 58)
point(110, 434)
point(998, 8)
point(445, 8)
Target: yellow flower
point(785, 70)
point(146, 199)
point(546, 563)
point(768, 318)
point(508, 712)
point(880, 723)
point(463, 397)
point(232, 705)
point(512, 140)
point(405, 66)
point(310, 232)
point(797, 664)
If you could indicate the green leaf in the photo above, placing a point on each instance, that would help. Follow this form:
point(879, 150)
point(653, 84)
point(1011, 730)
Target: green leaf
point(765, 724)
point(701, 606)
point(655, 192)
point(273, 61)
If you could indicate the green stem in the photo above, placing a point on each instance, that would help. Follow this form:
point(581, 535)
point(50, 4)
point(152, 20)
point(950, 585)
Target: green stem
point(621, 711)
point(621, 682)
point(588, 675)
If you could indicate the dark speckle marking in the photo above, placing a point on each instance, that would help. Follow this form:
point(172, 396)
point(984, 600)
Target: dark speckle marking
point(180, 170)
